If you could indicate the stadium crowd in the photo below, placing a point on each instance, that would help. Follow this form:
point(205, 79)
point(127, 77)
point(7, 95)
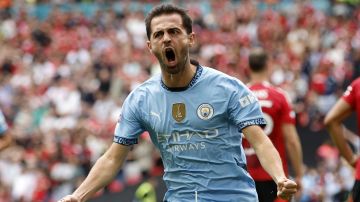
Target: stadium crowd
point(63, 80)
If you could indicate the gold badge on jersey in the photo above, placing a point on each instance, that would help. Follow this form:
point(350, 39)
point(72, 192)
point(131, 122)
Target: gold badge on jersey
point(178, 111)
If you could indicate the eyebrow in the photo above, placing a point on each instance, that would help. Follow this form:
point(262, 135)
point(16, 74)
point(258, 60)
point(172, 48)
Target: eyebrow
point(162, 30)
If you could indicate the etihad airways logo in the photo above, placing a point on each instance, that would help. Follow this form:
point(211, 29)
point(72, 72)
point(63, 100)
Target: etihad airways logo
point(186, 136)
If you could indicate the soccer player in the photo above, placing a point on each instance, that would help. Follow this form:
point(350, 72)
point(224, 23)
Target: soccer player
point(280, 128)
point(5, 138)
point(349, 102)
point(195, 116)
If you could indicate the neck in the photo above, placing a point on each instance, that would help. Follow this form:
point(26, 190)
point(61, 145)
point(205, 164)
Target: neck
point(180, 79)
point(258, 77)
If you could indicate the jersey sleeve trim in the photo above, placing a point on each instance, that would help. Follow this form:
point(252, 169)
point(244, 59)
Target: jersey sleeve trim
point(260, 121)
point(125, 141)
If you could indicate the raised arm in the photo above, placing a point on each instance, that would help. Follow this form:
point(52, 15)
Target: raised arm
point(103, 171)
point(270, 160)
point(334, 124)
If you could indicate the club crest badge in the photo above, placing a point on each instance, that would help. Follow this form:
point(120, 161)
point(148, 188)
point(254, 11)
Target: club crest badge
point(205, 111)
point(178, 111)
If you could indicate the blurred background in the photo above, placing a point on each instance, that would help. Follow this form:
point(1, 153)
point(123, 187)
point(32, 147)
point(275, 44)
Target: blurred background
point(66, 66)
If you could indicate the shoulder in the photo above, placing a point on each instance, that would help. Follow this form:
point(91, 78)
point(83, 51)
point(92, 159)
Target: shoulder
point(150, 86)
point(352, 90)
point(353, 87)
point(214, 73)
point(282, 94)
point(280, 91)
point(269, 88)
point(356, 83)
point(221, 79)
point(272, 92)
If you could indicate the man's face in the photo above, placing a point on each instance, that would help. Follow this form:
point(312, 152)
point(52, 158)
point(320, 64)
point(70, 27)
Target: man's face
point(169, 42)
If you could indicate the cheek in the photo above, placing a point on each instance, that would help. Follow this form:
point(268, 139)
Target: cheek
point(156, 54)
point(156, 47)
point(154, 50)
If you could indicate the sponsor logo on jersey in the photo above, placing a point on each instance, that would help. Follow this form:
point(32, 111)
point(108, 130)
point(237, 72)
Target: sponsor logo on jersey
point(182, 141)
point(205, 111)
point(186, 136)
point(178, 111)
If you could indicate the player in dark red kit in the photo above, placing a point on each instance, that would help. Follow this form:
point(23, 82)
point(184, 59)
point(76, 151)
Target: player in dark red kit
point(280, 127)
point(349, 102)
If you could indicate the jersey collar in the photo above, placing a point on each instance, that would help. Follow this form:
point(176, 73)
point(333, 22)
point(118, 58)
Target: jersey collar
point(196, 77)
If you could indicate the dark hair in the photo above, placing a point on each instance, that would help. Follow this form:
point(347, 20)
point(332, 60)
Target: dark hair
point(257, 59)
point(168, 9)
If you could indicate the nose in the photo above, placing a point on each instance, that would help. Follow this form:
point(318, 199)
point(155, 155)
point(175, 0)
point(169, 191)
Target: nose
point(167, 38)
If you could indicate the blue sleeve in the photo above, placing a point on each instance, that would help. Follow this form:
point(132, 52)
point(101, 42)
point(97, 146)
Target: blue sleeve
point(3, 124)
point(128, 127)
point(244, 108)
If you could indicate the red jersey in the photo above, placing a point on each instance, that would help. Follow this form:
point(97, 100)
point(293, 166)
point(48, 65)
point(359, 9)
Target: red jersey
point(277, 110)
point(352, 96)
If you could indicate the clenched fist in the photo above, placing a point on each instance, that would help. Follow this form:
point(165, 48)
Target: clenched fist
point(286, 188)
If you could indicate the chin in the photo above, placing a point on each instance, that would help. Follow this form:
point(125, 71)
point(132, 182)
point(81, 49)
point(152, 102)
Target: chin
point(172, 69)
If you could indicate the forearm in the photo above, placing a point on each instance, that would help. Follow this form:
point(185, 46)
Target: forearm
point(97, 178)
point(104, 170)
point(271, 162)
point(333, 122)
point(294, 150)
point(295, 156)
point(270, 159)
point(336, 134)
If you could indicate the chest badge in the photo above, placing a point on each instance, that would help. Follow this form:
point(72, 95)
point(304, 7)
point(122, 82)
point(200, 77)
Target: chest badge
point(205, 111)
point(178, 111)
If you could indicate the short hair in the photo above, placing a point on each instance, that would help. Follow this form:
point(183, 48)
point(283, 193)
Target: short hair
point(257, 60)
point(168, 9)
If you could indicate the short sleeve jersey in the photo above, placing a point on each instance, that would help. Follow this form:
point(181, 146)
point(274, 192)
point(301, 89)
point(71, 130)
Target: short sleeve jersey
point(3, 124)
point(198, 133)
point(352, 97)
point(277, 110)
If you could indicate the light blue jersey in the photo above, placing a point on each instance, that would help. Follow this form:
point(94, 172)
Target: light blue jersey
point(3, 124)
point(196, 130)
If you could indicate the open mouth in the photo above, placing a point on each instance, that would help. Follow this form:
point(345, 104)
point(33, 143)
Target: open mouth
point(170, 54)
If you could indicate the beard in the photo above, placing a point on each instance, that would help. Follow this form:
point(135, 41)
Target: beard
point(176, 68)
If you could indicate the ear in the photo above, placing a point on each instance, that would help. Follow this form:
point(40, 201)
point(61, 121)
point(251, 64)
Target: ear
point(149, 46)
point(191, 39)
